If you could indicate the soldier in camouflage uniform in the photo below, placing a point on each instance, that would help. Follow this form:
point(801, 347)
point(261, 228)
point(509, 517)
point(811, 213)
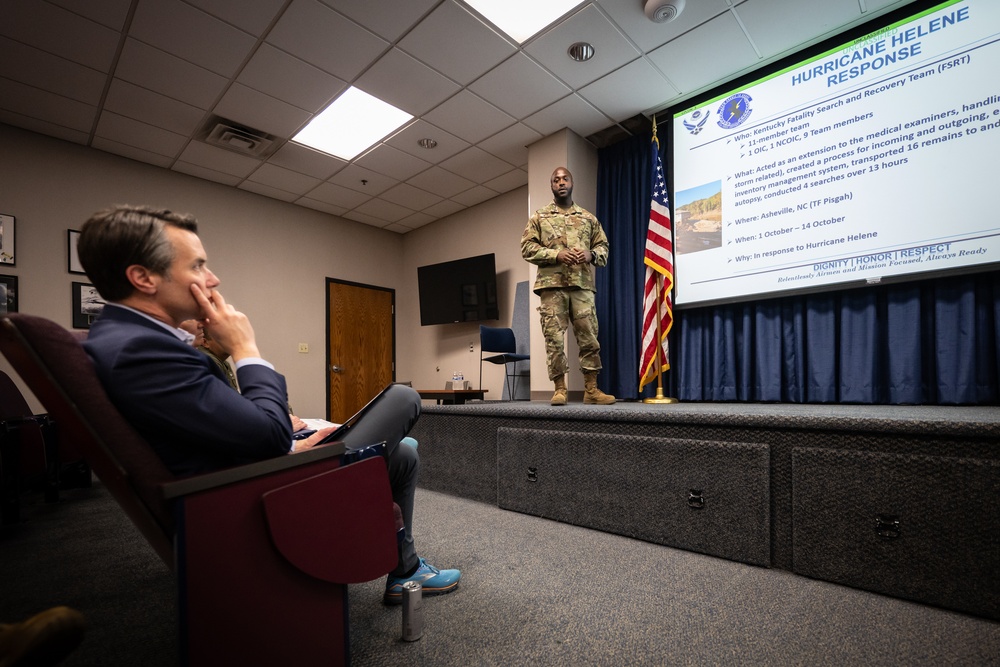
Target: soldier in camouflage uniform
point(566, 242)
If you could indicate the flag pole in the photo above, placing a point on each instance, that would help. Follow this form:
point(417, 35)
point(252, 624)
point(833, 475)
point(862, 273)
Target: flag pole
point(659, 398)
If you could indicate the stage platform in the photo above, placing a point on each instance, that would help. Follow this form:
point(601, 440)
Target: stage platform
point(901, 500)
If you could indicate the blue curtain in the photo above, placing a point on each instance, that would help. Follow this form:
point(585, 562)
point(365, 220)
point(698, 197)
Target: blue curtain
point(925, 342)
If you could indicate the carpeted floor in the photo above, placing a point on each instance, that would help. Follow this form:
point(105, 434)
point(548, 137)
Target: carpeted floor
point(534, 592)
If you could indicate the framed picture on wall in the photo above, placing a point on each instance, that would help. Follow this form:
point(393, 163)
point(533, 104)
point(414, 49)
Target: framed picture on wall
point(72, 236)
point(8, 294)
point(7, 239)
point(87, 305)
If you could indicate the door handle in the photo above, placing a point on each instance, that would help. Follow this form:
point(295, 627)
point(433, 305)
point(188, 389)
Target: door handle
point(336, 369)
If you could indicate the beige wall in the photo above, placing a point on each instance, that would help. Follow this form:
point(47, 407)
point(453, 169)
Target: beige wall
point(273, 257)
point(428, 355)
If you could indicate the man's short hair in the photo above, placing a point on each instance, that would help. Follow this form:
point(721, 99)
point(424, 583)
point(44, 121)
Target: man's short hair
point(116, 238)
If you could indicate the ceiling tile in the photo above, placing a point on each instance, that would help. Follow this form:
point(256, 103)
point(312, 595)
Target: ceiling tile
point(157, 70)
point(191, 34)
point(357, 216)
point(571, 111)
point(443, 208)
point(152, 108)
point(611, 48)
point(647, 34)
point(208, 174)
point(307, 161)
point(775, 29)
point(267, 191)
point(305, 30)
point(365, 181)
point(469, 117)
point(383, 210)
point(257, 110)
point(519, 86)
point(60, 32)
point(441, 182)
point(407, 138)
point(43, 127)
point(284, 77)
point(284, 179)
point(692, 74)
point(387, 18)
point(392, 162)
point(476, 164)
point(55, 74)
point(397, 227)
point(321, 206)
point(406, 83)
point(109, 13)
point(252, 17)
point(649, 90)
point(218, 159)
point(45, 106)
point(476, 195)
point(414, 221)
point(456, 43)
point(511, 145)
point(509, 181)
point(412, 198)
point(140, 135)
point(131, 152)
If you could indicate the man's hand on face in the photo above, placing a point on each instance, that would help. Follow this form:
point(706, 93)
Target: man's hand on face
point(230, 328)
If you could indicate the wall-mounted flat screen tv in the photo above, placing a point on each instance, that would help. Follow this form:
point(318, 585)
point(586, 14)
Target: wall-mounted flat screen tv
point(463, 290)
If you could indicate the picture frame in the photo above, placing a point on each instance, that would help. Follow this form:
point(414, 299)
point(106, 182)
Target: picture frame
point(73, 264)
point(8, 294)
point(7, 239)
point(87, 305)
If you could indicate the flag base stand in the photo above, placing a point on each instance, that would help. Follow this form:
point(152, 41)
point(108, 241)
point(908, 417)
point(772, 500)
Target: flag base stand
point(660, 398)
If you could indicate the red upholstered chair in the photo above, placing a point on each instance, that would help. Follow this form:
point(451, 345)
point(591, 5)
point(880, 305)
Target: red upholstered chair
point(27, 450)
point(262, 552)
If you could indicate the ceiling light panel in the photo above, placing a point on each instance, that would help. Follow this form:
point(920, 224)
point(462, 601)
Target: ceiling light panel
point(354, 122)
point(522, 19)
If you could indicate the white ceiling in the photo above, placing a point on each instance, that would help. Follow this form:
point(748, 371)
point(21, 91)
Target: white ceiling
point(144, 78)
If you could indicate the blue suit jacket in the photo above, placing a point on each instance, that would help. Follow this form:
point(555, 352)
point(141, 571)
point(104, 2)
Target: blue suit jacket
point(179, 401)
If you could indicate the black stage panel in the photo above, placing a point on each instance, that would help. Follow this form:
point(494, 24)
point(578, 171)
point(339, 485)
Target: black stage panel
point(483, 451)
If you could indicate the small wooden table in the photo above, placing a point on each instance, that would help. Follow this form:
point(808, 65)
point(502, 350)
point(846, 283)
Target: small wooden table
point(456, 396)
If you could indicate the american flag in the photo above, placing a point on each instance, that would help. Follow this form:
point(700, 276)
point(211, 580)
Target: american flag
point(659, 260)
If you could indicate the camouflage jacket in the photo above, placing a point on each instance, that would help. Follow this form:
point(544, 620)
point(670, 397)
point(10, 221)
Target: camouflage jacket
point(550, 230)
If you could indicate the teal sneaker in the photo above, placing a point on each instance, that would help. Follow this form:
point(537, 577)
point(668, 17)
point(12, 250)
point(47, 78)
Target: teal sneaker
point(433, 580)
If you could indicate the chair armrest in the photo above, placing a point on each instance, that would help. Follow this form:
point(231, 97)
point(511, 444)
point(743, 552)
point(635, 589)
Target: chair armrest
point(213, 480)
point(337, 526)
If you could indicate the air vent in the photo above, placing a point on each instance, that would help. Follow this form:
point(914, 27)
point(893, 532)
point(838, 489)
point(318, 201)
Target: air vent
point(238, 138)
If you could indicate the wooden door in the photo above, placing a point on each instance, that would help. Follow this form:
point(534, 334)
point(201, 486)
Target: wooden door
point(360, 345)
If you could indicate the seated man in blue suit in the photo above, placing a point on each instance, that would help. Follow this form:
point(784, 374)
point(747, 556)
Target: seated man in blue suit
point(152, 270)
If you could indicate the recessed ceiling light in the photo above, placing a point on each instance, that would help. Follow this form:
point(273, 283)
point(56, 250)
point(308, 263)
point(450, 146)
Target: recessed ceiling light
point(522, 19)
point(427, 142)
point(352, 123)
point(581, 52)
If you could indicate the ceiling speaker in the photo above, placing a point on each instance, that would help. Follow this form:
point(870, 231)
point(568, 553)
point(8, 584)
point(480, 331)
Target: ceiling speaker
point(662, 11)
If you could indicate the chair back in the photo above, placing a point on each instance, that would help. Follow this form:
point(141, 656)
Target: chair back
point(54, 365)
point(497, 339)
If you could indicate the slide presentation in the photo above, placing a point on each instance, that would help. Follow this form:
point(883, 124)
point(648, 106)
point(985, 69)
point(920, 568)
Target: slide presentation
point(867, 163)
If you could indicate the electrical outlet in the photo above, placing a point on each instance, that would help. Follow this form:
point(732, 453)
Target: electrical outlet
point(304, 348)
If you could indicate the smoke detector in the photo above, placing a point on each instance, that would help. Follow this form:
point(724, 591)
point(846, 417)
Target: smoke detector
point(238, 138)
point(663, 11)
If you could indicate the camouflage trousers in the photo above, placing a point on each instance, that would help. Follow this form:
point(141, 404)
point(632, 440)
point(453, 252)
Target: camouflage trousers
point(559, 308)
